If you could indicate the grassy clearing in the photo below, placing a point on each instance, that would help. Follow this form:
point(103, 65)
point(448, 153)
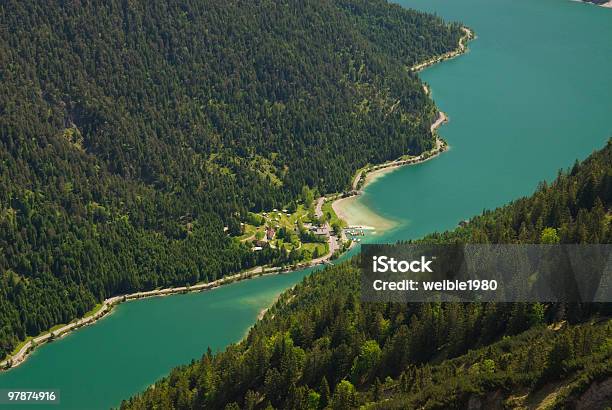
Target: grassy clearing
point(93, 310)
point(322, 248)
point(54, 328)
point(249, 231)
point(275, 219)
point(328, 211)
point(282, 220)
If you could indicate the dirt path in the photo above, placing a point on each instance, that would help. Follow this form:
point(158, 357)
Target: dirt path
point(319, 207)
point(249, 238)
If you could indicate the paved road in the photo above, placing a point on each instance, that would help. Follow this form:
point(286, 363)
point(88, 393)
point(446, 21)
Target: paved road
point(319, 207)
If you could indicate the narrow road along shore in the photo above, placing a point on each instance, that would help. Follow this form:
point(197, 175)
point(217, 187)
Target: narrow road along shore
point(18, 358)
point(366, 176)
point(108, 304)
point(319, 207)
point(467, 36)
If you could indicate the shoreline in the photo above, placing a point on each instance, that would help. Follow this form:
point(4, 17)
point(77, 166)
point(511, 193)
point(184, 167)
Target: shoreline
point(356, 215)
point(461, 49)
point(388, 167)
point(371, 173)
point(108, 305)
point(363, 178)
point(367, 175)
point(607, 5)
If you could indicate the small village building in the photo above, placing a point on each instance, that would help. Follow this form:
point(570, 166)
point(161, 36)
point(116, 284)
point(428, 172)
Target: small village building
point(270, 232)
point(321, 230)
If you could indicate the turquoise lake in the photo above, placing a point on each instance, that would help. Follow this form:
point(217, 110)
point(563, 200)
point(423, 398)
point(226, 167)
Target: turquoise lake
point(533, 95)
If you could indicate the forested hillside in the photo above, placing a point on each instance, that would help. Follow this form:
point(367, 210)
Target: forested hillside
point(133, 132)
point(321, 347)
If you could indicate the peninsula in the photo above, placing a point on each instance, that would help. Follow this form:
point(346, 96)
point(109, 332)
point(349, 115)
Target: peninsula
point(347, 207)
point(343, 206)
point(153, 134)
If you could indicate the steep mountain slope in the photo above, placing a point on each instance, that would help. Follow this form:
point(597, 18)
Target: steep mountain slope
point(320, 346)
point(132, 132)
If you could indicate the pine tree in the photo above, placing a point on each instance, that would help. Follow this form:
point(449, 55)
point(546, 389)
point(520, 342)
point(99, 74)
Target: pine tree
point(377, 390)
point(325, 393)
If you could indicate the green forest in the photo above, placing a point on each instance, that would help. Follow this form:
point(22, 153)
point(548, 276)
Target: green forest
point(134, 134)
point(320, 347)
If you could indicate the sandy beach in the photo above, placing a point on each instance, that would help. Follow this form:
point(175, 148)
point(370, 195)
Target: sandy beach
point(351, 210)
point(355, 213)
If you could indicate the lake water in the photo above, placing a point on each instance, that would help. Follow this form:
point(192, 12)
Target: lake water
point(532, 95)
point(141, 341)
